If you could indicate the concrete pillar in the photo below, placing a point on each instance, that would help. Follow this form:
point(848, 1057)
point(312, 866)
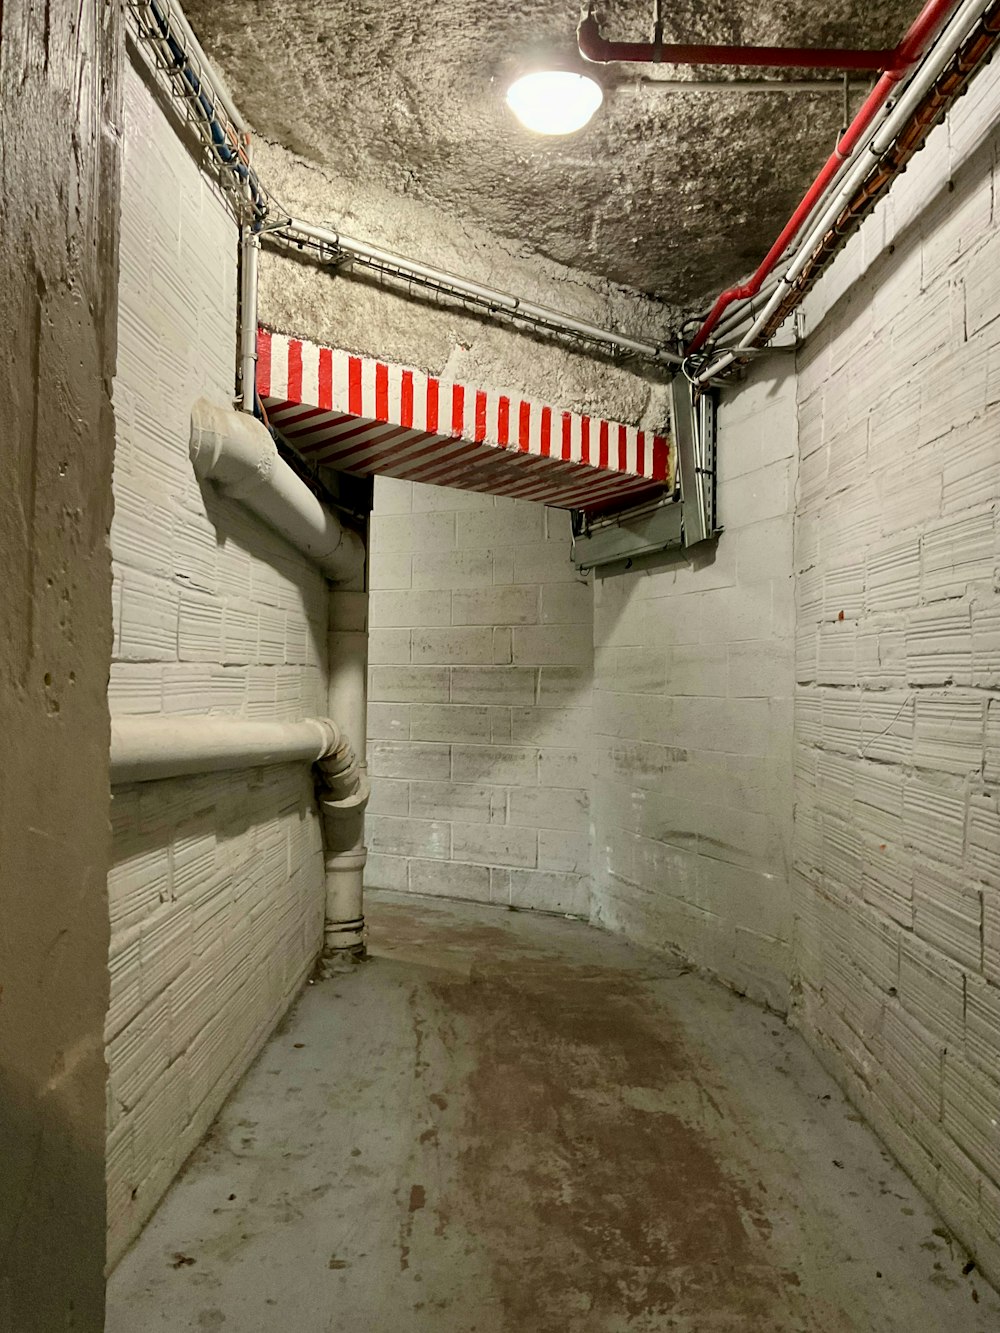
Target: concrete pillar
point(60, 85)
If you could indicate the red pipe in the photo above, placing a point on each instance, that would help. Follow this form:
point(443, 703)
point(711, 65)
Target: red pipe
point(925, 28)
point(595, 48)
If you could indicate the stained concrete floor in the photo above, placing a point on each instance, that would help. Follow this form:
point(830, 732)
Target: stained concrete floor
point(507, 1123)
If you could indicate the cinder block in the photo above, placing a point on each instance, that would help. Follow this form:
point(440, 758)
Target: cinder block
point(409, 684)
point(506, 526)
point(567, 604)
point(496, 606)
point(392, 496)
point(391, 796)
point(555, 808)
point(565, 768)
point(409, 760)
point(463, 801)
point(568, 726)
point(390, 571)
point(640, 670)
point(389, 647)
point(495, 764)
point(384, 871)
point(470, 645)
point(547, 892)
point(450, 879)
point(412, 532)
point(391, 610)
point(408, 837)
point(561, 850)
point(492, 685)
point(429, 499)
point(553, 645)
point(450, 722)
point(441, 570)
point(544, 562)
point(494, 845)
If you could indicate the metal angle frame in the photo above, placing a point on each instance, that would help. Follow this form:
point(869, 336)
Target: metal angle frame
point(678, 521)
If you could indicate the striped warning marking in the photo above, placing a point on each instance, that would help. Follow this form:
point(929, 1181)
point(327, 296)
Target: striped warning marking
point(370, 417)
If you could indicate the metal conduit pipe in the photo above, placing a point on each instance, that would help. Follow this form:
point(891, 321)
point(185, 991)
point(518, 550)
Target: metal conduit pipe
point(879, 142)
point(236, 452)
point(926, 26)
point(489, 298)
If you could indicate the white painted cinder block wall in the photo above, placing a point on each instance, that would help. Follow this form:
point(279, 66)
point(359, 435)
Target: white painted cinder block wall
point(479, 705)
point(897, 708)
point(693, 719)
point(216, 893)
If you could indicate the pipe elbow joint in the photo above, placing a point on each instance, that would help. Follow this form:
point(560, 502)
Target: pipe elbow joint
point(589, 41)
point(233, 449)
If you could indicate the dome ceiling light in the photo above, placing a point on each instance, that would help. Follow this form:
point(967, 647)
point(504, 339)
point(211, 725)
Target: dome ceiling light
point(554, 101)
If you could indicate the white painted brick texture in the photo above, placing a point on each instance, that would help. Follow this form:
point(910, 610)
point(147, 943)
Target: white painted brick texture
point(479, 700)
point(217, 887)
point(897, 833)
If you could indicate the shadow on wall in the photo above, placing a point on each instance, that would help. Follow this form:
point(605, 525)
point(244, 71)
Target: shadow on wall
point(66, 1157)
point(240, 534)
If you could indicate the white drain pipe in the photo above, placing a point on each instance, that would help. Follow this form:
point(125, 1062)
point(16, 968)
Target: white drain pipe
point(148, 749)
point(236, 452)
point(344, 820)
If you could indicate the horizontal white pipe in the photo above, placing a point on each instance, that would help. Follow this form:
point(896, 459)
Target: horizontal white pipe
point(147, 749)
point(487, 296)
point(235, 450)
point(861, 162)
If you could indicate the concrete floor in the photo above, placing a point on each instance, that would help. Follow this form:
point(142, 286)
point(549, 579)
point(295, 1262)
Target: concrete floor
point(515, 1123)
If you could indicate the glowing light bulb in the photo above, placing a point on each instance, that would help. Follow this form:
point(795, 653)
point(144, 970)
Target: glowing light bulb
point(554, 101)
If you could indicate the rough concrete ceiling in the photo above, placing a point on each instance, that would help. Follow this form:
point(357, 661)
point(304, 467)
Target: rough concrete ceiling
point(669, 194)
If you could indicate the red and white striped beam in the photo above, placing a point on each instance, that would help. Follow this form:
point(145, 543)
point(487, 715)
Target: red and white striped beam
point(363, 416)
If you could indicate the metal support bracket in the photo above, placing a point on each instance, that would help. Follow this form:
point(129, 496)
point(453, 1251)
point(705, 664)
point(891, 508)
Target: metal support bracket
point(677, 521)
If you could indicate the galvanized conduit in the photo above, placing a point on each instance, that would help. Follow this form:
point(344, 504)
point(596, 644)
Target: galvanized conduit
point(868, 152)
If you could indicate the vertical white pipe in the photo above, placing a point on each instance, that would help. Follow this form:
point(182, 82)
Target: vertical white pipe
point(345, 827)
point(249, 255)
